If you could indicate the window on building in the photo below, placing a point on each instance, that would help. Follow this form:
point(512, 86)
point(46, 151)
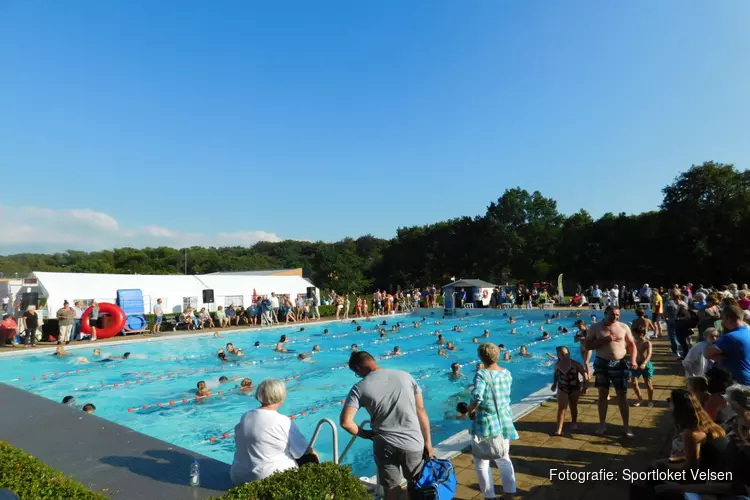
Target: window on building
point(235, 300)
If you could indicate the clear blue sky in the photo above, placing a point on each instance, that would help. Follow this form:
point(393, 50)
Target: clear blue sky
point(322, 119)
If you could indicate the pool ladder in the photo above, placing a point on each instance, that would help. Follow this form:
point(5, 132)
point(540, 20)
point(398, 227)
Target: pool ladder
point(337, 459)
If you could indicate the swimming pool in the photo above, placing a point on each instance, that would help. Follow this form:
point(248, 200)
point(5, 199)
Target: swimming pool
point(153, 391)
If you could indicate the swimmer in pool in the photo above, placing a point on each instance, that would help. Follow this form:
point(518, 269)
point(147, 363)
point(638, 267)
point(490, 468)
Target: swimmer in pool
point(475, 340)
point(513, 331)
point(593, 318)
point(201, 390)
point(507, 356)
point(230, 348)
point(511, 320)
point(462, 412)
point(501, 347)
point(384, 323)
point(355, 347)
point(280, 347)
point(531, 322)
point(450, 346)
point(486, 334)
point(223, 380)
point(246, 385)
point(382, 336)
point(524, 352)
point(456, 372)
point(354, 322)
point(316, 348)
point(417, 324)
point(548, 322)
point(302, 328)
point(325, 332)
point(440, 339)
point(238, 352)
point(223, 357)
point(438, 323)
point(441, 352)
point(216, 335)
point(257, 343)
point(359, 329)
point(396, 351)
point(545, 336)
point(394, 328)
point(457, 329)
point(124, 356)
point(304, 358)
point(60, 351)
point(541, 328)
point(283, 339)
point(97, 353)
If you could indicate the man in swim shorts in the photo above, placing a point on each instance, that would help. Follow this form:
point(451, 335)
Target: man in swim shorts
point(615, 356)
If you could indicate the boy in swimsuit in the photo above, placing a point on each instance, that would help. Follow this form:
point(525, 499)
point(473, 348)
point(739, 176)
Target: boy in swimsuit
point(642, 321)
point(645, 367)
point(246, 385)
point(567, 383)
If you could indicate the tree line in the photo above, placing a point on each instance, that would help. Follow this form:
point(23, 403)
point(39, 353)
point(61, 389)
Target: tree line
point(697, 235)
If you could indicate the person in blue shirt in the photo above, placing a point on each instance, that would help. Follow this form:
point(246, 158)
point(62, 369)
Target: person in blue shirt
point(733, 347)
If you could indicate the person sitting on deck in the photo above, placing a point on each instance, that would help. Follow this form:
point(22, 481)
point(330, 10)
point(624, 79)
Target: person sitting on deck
point(8, 330)
point(265, 440)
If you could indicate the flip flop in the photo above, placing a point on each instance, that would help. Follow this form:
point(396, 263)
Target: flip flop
point(629, 435)
point(600, 432)
point(554, 434)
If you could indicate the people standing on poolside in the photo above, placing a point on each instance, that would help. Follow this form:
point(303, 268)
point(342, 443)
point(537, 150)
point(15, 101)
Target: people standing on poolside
point(347, 305)
point(65, 318)
point(400, 425)
point(31, 323)
point(695, 363)
point(158, 316)
point(492, 421)
point(567, 383)
point(315, 310)
point(94, 318)
point(642, 321)
point(658, 313)
point(644, 368)
point(613, 343)
point(78, 308)
point(732, 349)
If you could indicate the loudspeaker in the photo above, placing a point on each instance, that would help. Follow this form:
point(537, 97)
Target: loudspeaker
point(310, 292)
point(208, 296)
point(29, 299)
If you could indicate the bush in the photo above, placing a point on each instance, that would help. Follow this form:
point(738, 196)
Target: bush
point(324, 481)
point(31, 479)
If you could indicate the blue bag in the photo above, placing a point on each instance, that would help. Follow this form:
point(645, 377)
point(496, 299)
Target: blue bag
point(437, 481)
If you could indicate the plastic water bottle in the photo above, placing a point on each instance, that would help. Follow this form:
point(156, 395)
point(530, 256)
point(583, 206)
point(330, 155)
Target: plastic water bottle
point(195, 474)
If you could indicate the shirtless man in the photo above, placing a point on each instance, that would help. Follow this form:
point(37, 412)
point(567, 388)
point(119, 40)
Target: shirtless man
point(642, 321)
point(613, 343)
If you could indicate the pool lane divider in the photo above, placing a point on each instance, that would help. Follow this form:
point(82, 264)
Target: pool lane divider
point(293, 416)
point(61, 373)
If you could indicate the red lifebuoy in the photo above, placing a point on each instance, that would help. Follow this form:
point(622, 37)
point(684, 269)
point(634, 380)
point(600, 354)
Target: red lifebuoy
point(112, 330)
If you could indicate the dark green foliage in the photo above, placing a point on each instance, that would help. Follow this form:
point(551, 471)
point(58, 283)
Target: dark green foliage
point(31, 479)
point(699, 232)
point(326, 481)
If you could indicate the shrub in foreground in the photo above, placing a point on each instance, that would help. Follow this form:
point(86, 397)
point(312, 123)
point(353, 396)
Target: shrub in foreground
point(326, 481)
point(32, 479)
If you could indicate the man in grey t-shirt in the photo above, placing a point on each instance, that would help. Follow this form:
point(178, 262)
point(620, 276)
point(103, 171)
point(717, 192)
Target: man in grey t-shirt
point(400, 426)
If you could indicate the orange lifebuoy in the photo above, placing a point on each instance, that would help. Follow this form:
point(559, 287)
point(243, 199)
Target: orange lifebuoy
point(104, 333)
point(485, 294)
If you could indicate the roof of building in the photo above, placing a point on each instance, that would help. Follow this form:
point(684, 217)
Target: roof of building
point(470, 283)
point(264, 272)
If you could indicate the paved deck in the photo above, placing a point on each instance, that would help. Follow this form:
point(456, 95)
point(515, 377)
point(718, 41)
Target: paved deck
point(535, 453)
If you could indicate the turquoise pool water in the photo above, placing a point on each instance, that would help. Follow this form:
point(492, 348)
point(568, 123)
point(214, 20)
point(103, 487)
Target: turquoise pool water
point(153, 392)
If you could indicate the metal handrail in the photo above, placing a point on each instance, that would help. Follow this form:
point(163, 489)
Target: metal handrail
point(351, 443)
point(335, 431)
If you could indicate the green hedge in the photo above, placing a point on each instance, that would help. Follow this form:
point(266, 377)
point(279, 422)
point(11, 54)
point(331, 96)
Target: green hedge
point(31, 479)
point(326, 481)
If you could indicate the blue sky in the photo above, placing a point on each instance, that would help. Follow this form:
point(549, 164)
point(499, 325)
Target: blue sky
point(179, 122)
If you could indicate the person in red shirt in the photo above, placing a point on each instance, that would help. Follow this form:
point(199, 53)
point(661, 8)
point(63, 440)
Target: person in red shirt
point(8, 329)
point(744, 301)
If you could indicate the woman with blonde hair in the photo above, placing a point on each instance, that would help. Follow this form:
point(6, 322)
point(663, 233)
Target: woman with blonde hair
point(267, 441)
point(492, 427)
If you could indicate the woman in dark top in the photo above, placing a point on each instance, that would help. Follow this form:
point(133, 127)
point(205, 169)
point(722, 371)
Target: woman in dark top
point(31, 319)
point(716, 405)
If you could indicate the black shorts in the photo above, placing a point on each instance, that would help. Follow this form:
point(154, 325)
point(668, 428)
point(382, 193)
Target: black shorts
point(611, 373)
point(656, 317)
point(95, 323)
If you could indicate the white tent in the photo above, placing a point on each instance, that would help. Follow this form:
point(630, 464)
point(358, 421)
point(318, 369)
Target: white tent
point(174, 290)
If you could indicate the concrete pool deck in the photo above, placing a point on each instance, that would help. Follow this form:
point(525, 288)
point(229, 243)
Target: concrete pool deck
point(535, 453)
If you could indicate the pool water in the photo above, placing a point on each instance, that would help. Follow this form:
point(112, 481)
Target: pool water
point(153, 392)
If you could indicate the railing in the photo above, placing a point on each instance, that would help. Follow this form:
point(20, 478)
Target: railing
point(335, 432)
point(350, 443)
